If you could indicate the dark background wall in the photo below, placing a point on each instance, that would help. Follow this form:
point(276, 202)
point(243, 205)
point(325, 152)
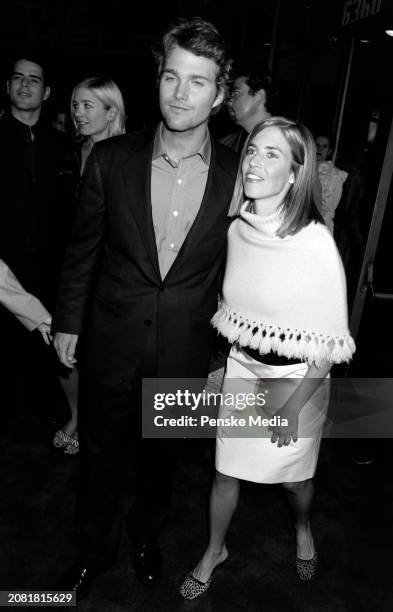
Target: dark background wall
point(302, 41)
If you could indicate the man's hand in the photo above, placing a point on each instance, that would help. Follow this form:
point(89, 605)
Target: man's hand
point(44, 329)
point(65, 345)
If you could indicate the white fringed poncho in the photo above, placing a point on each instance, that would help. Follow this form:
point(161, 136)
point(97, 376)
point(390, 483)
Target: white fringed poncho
point(285, 295)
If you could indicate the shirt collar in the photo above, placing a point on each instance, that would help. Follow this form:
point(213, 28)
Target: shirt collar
point(159, 149)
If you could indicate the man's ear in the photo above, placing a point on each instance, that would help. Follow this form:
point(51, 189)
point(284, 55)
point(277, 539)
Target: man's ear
point(219, 98)
point(46, 93)
point(261, 97)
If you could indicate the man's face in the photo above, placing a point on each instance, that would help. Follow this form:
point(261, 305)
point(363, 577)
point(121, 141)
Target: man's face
point(243, 105)
point(26, 87)
point(188, 90)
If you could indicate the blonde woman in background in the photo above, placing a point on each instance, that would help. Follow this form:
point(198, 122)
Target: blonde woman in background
point(97, 113)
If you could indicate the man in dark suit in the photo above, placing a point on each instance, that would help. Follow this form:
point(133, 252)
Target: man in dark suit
point(33, 179)
point(141, 278)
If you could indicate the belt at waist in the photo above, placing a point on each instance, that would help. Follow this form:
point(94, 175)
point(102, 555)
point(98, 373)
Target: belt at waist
point(270, 358)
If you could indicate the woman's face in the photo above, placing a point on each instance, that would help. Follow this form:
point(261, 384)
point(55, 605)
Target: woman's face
point(323, 147)
point(90, 115)
point(266, 169)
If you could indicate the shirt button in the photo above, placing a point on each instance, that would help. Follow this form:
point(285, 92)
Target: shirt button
point(175, 213)
point(179, 181)
point(147, 322)
point(172, 246)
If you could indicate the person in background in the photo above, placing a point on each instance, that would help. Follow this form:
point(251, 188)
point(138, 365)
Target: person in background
point(331, 178)
point(97, 113)
point(59, 121)
point(251, 101)
point(35, 187)
point(284, 310)
point(26, 308)
point(140, 279)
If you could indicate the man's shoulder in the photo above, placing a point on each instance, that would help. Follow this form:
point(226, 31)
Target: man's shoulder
point(234, 140)
point(228, 158)
point(7, 124)
point(124, 143)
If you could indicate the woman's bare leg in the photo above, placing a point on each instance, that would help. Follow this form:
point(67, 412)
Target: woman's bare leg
point(300, 495)
point(70, 386)
point(223, 501)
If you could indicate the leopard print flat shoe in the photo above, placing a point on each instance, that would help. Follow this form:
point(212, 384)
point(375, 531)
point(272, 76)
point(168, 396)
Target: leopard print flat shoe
point(193, 588)
point(306, 568)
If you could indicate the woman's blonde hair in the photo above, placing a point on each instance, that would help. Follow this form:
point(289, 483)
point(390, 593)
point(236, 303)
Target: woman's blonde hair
point(110, 95)
point(298, 208)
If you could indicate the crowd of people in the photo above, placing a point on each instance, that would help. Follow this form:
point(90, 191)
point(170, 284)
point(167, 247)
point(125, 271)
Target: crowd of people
point(114, 248)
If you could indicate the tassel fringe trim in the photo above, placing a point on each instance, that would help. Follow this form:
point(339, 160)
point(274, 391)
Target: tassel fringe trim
point(291, 343)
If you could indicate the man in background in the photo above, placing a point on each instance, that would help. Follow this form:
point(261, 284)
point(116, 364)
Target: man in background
point(251, 101)
point(33, 181)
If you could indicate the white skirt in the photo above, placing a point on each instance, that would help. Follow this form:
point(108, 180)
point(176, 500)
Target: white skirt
point(256, 458)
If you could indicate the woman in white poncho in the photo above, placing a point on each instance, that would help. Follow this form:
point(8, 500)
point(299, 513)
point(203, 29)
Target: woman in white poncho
point(284, 310)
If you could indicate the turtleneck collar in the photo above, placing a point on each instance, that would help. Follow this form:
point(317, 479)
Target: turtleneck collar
point(265, 225)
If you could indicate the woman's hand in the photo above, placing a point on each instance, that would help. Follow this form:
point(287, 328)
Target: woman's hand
point(282, 434)
point(44, 329)
point(307, 386)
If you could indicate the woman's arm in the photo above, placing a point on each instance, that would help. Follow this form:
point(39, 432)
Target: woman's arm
point(313, 378)
point(27, 308)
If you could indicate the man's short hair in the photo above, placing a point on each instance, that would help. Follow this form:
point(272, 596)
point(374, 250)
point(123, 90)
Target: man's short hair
point(201, 38)
point(32, 55)
point(257, 79)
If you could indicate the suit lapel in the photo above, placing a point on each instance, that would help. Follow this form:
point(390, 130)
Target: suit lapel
point(137, 177)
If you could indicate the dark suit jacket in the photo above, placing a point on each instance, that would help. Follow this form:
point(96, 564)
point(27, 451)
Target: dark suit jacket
point(136, 322)
point(235, 140)
point(35, 190)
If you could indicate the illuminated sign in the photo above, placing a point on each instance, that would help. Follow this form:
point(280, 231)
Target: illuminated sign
point(356, 10)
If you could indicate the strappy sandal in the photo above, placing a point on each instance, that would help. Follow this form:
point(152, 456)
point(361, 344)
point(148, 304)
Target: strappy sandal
point(72, 447)
point(61, 439)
